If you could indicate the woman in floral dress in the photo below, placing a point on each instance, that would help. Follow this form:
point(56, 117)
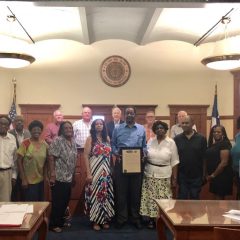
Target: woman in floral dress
point(99, 200)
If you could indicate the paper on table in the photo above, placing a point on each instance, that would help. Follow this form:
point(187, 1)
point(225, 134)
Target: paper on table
point(30, 208)
point(232, 216)
point(234, 211)
point(11, 219)
point(10, 208)
point(13, 214)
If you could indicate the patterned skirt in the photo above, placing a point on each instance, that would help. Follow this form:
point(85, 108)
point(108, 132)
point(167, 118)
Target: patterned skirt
point(99, 201)
point(154, 188)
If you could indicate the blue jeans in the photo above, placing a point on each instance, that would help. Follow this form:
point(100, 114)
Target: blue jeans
point(189, 188)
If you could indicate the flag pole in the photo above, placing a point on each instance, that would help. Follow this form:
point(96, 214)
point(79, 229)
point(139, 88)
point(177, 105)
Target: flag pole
point(13, 112)
point(14, 81)
point(215, 115)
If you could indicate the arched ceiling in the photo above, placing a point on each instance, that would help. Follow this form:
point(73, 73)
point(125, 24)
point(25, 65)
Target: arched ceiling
point(141, 22)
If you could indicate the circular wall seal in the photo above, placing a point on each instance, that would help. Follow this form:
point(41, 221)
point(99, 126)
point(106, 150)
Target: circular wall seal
point(115, 71)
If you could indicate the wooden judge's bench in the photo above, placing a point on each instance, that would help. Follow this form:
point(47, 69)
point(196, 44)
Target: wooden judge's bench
point(76, 203)
point(77, 197)
point(44, 113)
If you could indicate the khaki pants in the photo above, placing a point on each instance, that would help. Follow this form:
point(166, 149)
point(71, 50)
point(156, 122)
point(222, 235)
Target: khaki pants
point(5, 185)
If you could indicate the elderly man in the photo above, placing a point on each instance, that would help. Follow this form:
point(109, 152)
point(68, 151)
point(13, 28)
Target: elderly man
point(82, 127)
point(116, 115)
point(8, 149)
point(150, 119)
point(20, 134)
point(128, 186)
point(177, 128)
point(191, 150)
point(51, 131)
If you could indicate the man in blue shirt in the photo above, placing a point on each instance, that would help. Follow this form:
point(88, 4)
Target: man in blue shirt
point(128, 186)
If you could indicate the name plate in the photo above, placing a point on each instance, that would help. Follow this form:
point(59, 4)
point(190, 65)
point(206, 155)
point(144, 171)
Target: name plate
point(131, 160)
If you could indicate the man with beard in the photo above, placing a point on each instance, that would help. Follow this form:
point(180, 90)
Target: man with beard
point(128, 186)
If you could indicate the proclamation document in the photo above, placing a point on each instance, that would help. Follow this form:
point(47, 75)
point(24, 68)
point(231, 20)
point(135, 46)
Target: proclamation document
point(131, 160)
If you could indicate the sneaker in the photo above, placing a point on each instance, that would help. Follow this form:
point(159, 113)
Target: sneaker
point(67, 224)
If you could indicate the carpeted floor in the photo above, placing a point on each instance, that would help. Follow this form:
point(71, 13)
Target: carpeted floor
point(81, 229)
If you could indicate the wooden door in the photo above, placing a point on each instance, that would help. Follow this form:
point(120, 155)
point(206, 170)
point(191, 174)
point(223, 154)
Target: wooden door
point(197, 112)
point(41, 112)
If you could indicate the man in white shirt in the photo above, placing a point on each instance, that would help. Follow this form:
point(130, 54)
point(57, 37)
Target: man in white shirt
point(82, 127)
point(150, 119)
point(8, 148)
point(177, 128)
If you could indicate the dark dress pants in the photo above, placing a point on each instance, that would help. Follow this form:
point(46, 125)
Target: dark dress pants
point(61, 192)
point(189, 188)
point(128, 195)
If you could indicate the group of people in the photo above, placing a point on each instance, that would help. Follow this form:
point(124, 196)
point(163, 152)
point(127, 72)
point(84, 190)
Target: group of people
point(184, 159)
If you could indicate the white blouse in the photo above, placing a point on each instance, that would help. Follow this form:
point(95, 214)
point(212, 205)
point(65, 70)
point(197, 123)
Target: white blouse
point(163, 153)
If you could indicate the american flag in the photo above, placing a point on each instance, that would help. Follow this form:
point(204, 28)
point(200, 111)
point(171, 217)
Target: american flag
point(13, 112)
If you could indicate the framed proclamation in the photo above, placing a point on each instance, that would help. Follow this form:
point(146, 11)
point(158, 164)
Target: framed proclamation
point(131, 160)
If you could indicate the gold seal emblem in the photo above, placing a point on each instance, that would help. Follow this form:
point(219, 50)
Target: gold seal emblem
point(115, 71)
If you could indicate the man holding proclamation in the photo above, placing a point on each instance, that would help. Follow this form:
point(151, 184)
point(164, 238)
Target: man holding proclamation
point(128, 141)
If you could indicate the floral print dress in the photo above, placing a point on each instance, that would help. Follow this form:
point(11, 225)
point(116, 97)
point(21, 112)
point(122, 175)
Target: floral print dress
point(99, 201)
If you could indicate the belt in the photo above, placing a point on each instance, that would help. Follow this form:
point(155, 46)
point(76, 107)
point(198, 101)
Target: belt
point(157, 165)
point(5, 169)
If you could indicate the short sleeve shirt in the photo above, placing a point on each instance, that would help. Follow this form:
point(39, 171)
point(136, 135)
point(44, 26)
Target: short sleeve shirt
point(34, 158)
point(65, 154)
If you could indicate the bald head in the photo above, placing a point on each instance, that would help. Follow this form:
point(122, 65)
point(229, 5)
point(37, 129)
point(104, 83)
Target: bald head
point(87, 114)
point(181, 115)
point(187, 124)
point(58, 116)
point(116, 114)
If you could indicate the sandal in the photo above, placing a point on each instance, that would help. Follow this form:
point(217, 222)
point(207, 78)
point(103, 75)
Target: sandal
point(106, 226)
point(56, 229)
point(67, 224)
point(96, 227)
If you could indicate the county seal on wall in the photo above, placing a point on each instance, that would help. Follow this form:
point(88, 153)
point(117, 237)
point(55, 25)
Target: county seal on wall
point(115, 71)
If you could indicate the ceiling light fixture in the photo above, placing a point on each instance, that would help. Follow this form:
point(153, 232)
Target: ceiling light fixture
point(15, 60)
point(10, 58)
point(226, 60)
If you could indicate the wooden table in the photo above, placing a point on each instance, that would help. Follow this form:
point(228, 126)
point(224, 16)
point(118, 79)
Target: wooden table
point(194, 219)
point(36, 221)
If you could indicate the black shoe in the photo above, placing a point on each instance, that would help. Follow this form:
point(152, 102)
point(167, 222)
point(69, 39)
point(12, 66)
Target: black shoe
point(151, 224)
point(138, 225)
point(119, 225)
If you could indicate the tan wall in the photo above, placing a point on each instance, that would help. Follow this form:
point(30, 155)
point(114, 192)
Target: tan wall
point(167, 72)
